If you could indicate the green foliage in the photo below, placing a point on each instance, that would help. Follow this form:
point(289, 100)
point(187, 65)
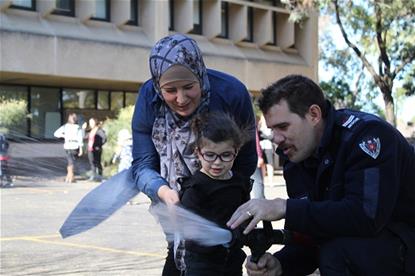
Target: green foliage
point(112, 127)
point(13, 114)
point(408, 83)
point(338, 92)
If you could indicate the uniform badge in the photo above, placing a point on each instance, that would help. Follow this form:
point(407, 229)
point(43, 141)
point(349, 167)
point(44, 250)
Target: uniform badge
point(371, 147)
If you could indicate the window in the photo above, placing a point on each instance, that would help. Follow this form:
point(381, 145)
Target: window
point(23, 4)
point(274, 29)
point(171, 15)
point(65, 7)
point(45, 111)
point(224, 20)
point(117, 100)
point(102, 10)
point(250, 25)
point(276, 3)
point(103, 100)
point(133, 13)
point(130, 98)
point(16, 108)
point(197, 17)
point(78, 99)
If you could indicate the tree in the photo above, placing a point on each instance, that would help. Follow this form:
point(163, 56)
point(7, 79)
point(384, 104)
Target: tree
point(13, 113)
point(380, 34)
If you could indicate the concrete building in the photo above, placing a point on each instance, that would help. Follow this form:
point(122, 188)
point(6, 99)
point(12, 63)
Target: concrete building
point(90, 56)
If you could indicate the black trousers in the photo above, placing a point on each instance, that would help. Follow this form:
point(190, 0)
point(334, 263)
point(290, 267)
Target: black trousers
point(218, 263)
point(380, 255)
point(94, 158)
point(170, 268)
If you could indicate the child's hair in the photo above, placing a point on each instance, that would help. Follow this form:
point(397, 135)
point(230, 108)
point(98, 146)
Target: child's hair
point(218, 127)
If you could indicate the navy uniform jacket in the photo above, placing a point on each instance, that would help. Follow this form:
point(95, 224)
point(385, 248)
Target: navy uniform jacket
point(360, 180)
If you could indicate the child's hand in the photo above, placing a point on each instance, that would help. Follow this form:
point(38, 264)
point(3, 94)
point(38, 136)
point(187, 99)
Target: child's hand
point(168, 195)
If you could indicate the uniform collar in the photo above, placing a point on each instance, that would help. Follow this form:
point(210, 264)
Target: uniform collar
point(328, 131)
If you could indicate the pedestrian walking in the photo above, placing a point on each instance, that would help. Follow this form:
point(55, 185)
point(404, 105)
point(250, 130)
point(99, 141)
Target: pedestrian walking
point(96, 139)
point(71, 132)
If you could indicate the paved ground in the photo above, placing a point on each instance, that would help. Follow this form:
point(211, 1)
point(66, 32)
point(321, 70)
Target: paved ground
point(129, 243)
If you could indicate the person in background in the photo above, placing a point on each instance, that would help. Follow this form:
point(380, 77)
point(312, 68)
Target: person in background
point(71, 132)
point(265, 135)
point(123, 152)
point(258, 176)
point(180, 88)
point(350, 181)
point(5, 177)
point(96, 139)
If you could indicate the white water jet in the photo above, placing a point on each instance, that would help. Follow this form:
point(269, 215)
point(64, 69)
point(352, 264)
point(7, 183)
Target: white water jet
point(175, 219)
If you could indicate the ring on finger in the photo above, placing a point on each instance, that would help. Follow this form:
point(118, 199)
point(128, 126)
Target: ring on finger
point(249, 214)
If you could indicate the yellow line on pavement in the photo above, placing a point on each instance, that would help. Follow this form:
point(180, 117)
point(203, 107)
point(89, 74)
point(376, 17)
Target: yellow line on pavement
point(70, 244)
point(32, 237)
point(40, 190)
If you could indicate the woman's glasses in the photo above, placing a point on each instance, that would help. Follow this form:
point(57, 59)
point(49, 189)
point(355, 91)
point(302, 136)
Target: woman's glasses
point(226, 156)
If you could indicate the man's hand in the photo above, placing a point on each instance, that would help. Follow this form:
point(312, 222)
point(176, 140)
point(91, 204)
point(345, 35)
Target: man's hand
point(267, 265)
point(258, 209)
point(168, 195)
point(80, 152)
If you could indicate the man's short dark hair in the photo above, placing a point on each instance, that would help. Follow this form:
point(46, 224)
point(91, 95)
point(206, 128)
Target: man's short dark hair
point(300, 93)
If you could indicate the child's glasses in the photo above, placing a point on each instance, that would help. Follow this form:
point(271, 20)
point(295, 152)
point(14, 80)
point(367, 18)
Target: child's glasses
point(226, 156)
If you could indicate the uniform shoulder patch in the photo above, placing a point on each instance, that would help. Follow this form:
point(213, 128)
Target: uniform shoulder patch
point(371, 146)
point(349, 121)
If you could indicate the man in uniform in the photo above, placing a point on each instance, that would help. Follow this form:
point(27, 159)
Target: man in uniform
point(351, 184)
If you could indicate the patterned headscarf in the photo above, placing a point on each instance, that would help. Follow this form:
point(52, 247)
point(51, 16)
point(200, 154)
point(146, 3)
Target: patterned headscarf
point(172, 135)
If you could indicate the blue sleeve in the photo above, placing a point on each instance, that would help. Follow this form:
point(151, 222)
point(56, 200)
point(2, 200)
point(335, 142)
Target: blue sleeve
point(370, 188)
point(146, 163)
point(247, 159)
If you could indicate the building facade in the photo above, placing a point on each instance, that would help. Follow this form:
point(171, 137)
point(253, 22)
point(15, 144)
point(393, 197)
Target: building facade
point(90, 56)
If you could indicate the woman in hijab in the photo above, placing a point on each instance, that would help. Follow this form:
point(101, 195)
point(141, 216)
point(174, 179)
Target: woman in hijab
point(181, 87)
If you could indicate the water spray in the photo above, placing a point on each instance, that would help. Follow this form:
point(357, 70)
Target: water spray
point(175, 219)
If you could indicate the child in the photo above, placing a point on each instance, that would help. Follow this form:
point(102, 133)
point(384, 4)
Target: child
point(5, 178)
point(214, 192)
point(123, 152)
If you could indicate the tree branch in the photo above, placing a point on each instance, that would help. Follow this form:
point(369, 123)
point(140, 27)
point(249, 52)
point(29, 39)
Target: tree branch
point(356, 85)
point(381, 42)
point(379, 81)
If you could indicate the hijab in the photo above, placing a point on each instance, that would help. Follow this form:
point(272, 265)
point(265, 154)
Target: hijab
point(171, 133)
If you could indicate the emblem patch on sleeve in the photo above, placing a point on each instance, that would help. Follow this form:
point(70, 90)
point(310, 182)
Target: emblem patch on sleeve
point(371, 147)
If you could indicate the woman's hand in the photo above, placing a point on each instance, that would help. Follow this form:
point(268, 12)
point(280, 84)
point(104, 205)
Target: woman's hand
point(267, 265)
point(168, 195)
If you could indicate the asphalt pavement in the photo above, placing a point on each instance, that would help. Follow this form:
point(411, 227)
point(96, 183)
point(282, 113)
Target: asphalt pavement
point(129, 243)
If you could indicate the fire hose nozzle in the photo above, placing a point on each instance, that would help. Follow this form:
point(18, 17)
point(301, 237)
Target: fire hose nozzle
point(259, 240)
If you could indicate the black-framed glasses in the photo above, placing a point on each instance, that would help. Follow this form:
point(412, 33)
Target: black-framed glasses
point(226, 156)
